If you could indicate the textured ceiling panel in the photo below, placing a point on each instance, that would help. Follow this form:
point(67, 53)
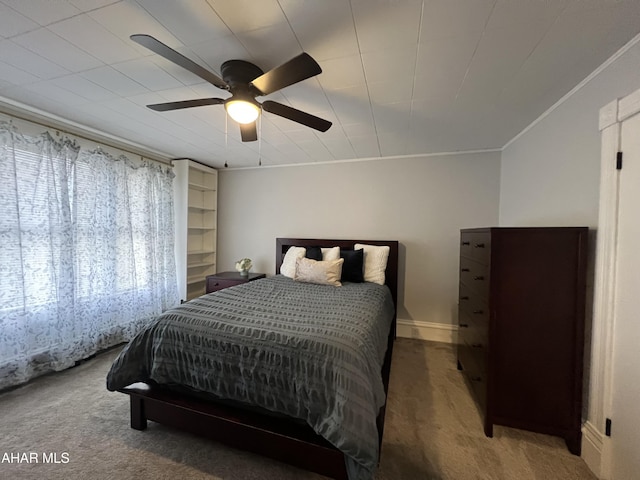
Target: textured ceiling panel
point(398, 77)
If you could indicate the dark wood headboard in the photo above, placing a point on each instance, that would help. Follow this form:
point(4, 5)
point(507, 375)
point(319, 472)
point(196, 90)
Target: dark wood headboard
point(391, 273)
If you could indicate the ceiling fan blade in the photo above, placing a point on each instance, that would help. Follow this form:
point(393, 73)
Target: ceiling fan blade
point(170, 54)
point(297, 115)
point(295, 70)
point(248, 132)
point(201, 102)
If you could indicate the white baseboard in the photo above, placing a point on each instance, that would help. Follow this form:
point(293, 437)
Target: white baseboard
point(592, 448)
point(434, 332)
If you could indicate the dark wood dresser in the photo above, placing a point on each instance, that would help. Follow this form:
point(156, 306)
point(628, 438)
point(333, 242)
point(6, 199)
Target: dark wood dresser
point(521, 326)
point(222, 280)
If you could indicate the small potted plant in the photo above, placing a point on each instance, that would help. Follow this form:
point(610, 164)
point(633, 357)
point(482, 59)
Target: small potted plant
point(243, 266)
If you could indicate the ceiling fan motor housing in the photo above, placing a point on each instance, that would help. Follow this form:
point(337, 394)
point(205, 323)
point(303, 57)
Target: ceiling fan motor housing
point(240, 73)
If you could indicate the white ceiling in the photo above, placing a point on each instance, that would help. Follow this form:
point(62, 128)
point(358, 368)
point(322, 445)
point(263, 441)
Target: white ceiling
point(400, 77)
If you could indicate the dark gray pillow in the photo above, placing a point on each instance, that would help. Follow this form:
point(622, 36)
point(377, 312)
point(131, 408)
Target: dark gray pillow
point(314, 253)
point(352, 270)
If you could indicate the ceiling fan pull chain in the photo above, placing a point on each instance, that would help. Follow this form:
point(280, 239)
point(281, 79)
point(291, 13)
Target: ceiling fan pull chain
point(260, 141)
point(226, 141)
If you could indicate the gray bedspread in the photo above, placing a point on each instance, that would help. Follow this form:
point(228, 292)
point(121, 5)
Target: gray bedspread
point(308, 351)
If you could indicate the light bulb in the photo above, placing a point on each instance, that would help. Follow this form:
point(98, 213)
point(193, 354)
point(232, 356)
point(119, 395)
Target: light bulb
point(242, 111)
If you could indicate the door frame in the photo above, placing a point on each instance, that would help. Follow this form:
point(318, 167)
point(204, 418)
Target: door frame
point(596, 446)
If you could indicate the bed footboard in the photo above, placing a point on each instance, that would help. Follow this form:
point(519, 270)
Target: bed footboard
point(275, 437)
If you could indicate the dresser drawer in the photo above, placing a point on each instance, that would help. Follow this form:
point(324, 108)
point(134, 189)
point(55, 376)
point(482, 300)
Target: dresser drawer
point(473, 304)
point(472, 359)
point(474, 328)
point(476, 361)
point(475, 276)
point(474, 365)
point(476, 331)
point(476, 245)
point(473, 331)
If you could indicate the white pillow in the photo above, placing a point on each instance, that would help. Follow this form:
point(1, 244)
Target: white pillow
point(332, 253)
point(375, 262)
point(288, 267)
point(320, 272)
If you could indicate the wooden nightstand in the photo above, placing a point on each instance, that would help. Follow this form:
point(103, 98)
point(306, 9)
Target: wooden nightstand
point(222, 280)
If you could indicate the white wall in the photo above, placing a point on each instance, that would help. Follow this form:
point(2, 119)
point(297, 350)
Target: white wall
point(551, 173)
point(420, 201)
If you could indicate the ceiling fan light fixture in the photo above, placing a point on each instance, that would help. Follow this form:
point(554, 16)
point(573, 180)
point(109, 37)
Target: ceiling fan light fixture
point(242, 111)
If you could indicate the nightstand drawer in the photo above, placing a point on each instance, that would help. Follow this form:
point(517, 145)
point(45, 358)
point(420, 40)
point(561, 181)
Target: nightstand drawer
point(215, 284)
point(222, 280)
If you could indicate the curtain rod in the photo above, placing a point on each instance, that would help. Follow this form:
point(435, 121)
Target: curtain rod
point(46, 120)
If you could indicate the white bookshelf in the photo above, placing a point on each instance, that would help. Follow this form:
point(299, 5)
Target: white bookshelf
point(196, 203)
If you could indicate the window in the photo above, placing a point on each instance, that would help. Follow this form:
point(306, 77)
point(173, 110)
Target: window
point(87, 251)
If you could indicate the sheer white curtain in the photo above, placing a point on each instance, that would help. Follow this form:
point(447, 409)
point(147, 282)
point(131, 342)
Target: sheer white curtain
point(86, 250)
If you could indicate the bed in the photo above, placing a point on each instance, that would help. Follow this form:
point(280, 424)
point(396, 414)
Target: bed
point(310, 426)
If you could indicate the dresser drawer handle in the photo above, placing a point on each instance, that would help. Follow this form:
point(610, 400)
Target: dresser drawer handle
point(464, 325)
point(464, 244)
point(464, 270)
point(476, 345)
point(464, 298)
point(479, 245)
point(478, 312)
point(480, 277)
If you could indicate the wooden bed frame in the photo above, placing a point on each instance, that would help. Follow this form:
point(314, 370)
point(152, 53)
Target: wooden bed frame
point(272, 436)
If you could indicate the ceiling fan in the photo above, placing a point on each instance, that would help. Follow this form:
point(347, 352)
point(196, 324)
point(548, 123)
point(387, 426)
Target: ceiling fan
point(245, 81)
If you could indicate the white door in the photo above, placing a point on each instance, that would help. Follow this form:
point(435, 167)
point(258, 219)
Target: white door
point(625, 408)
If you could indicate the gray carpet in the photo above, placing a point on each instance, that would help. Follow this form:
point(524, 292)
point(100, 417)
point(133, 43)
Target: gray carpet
point(433, 431)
